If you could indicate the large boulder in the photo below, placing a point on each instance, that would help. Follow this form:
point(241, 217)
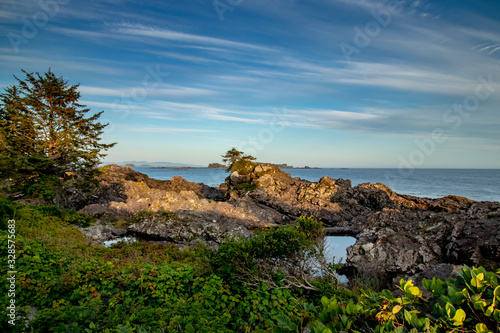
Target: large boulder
point(184, 226)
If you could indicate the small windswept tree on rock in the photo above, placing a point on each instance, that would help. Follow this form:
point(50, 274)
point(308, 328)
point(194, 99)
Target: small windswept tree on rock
point(233, 155)
point(46, 133)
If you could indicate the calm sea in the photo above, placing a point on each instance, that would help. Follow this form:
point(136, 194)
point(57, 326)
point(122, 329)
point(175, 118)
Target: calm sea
point(475, 184)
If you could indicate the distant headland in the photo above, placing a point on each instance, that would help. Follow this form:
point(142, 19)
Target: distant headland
point(185, 166)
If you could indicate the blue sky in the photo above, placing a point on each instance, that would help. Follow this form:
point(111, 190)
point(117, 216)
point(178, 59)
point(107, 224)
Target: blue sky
point(327, 83)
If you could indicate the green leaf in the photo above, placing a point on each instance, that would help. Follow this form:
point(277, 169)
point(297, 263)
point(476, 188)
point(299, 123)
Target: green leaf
point(426, 323)
point(426, 283)
point(490, 309)
point(496, 315)
point(396, 309)
point(286, 323)
point(190, 328)
point(458, 319)
point(482, 328)
point(436, 286)
point(407, 315)
point(496, 294)
point(479, 304)
point(478, 280)
point(400, 329)
point(450, 310)
point(411, 290)
point(351, 308)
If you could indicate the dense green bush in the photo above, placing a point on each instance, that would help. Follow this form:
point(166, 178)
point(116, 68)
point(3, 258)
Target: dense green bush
point(280, 257)
point(44, 187)
point(466, 304)
point(6, 213)
point(245, 187)
point(243, 167)
point(40, 216)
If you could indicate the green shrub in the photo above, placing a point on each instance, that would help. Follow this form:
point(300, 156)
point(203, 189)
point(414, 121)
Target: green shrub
point(50, 210)
point(243, 167)
point(279, 257)
point(78, 219)
point(44, 187)
point(466, 304)
point(6, 213)
point(74, 296)
point(246, 187)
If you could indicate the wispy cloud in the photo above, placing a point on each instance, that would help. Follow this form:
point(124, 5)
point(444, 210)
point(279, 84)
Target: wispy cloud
point(100, 91)
point(159, 33)
point(365, 4)
point(173, 91)
point(170, 130)
point(82, 33)
point(40, 61)
point(166, 110)
point(409, 122)
point(408, 77)
point(187, 58)
point(108, 106)
point(13, 10)
point(488, 47)
point(333, 119)
point(151, 35)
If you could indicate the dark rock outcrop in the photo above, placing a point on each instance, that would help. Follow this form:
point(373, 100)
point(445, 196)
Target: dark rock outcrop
point(397, 235)
point(184, 226)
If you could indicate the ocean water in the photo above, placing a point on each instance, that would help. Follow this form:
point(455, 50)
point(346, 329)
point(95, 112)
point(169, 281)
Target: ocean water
point(475, 184)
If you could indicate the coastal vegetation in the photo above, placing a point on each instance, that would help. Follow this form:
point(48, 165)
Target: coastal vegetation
point(275, 280)
point(47, 137)
point(65, 285)
point(233, 156)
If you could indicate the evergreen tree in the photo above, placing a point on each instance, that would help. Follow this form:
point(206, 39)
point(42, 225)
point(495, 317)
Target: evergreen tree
point(44, 131)
point(233, 155)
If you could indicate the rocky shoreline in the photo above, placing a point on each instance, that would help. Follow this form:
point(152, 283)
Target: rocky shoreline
point(397, 235)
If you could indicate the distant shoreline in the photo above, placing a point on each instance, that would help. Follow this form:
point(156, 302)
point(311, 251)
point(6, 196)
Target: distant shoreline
point(187, 168)
point(216, 166)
